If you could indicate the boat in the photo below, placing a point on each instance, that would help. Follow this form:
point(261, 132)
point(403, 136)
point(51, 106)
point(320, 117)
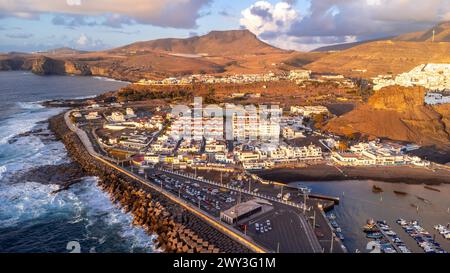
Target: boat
point(376, 189)
point(332, 216)
point(431, 188)
point(334, 224)
point(400, 193)
point(423, 200)
point(370, 226)
point(340, 236)
point(374, 235)
point(370, 229)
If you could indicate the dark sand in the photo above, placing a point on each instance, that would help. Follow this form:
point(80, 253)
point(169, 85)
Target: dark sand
point(405, 174)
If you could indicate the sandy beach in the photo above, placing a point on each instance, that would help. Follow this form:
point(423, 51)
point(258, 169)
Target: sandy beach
point(405, 174)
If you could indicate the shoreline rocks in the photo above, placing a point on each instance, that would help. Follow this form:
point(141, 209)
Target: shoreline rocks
point(178, 230)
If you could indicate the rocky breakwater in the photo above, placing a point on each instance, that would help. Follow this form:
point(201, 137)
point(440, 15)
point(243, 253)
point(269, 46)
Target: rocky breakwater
point(178, 230)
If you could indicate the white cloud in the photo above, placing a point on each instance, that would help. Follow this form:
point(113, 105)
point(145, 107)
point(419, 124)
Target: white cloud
point(82, 40)
point(73, 2)
point(165, 13)
point(263, 17)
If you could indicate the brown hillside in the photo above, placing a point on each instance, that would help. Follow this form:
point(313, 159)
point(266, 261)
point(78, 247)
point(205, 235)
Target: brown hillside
point(219, 52)
point(216, 43)
point(442, 34)
point(382, 57)
point(398, 113)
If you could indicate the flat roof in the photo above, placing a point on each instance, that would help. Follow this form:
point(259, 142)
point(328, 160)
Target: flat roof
point(242, 208)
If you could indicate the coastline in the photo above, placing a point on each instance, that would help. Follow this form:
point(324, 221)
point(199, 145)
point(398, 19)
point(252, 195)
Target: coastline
point(178, 230)
point(318, 173)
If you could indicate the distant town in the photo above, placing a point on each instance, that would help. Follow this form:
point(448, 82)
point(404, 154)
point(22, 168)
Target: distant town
point(434, 77)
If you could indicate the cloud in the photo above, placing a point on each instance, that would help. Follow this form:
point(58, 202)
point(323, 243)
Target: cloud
point(84, 42)
point(165, 13)
point(369, 18)
point(335, 21)
point(264, 17)
point(19, 35)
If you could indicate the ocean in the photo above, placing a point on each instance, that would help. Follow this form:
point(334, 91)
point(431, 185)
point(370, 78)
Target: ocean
point(32, 218)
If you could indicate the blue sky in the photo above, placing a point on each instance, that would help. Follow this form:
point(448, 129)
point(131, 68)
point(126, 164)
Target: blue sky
point(32, 25)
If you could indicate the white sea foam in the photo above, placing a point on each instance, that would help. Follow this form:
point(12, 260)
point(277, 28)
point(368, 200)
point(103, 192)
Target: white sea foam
point(25, 201)
point(101, 209)
point(83, 202)
point(25, 121)
point(109, 79)
point(3, 170)
point(31, 105)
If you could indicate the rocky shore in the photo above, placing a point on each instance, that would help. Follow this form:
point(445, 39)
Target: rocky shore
point(400, 174)
point(178, 230)
point(64, 175)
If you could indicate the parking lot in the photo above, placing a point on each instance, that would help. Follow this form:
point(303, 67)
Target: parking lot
point(209, 198)
point(283, 229)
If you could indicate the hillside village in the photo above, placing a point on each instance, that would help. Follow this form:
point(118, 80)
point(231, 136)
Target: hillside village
point(434, 77)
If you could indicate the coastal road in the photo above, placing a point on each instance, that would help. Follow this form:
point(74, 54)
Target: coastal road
point(229, 231)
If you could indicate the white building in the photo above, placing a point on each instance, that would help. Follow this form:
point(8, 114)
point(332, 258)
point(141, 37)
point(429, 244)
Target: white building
point(92, 116)
point(434, 77)
point(433, 98)
point(308, 110)
point(130, 113)
point(117, 117)
point(256, 124)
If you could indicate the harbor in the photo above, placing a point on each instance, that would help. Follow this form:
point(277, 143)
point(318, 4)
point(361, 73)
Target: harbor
point(358, 203)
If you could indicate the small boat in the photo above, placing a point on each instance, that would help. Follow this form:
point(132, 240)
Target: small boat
point(432, 189)
point(334, 224)
point(370, 229)
point(340, 236)
point(332, 216)
point(423, 200)
point(400, 193)
point(374, 235)
point(376, 189)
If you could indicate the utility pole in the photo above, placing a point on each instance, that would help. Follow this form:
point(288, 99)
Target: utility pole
point(332, 242)
point(278, 247)
point(305, 197)
point(314, 220)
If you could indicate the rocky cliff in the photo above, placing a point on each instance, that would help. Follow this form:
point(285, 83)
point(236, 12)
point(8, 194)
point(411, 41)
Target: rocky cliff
point(398, 113)
point(47, 66)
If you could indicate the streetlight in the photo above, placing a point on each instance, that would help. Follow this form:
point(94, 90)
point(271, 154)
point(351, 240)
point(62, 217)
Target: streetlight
point(332, 242)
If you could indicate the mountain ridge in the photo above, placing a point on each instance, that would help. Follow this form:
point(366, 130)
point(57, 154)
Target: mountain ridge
point(441, 29)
